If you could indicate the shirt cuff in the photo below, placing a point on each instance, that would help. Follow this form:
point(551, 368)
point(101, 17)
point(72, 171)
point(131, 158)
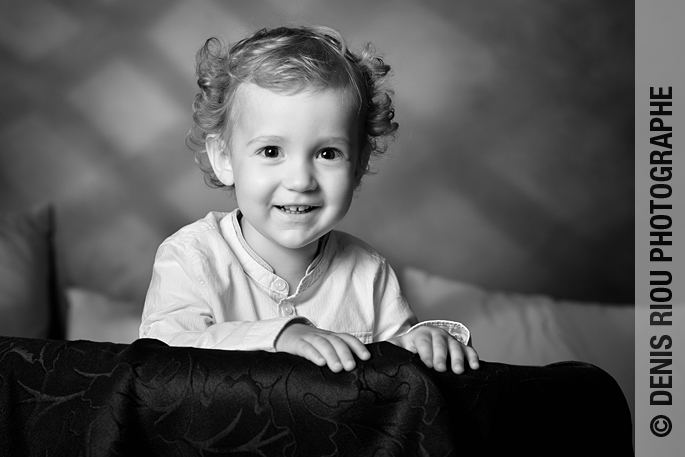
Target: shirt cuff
point(456, 329)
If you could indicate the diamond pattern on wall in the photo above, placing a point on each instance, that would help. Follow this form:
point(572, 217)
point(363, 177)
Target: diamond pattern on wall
point(126, 106)
point(32, 28)
point(192, 197)
point(44, 164)
point(516, 121)
point(183, 30)
point(441, 63)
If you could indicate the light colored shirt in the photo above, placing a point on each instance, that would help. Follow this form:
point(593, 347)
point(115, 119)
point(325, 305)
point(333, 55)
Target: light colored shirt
point(209, 289)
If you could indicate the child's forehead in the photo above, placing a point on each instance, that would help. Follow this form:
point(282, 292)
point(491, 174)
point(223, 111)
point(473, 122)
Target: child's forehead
point(260, 113)
point(252, 98)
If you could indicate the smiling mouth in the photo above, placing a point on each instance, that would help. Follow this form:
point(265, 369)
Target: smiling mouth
point(296, 209)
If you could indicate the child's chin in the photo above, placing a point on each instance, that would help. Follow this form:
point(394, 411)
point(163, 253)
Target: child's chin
point(298, 243)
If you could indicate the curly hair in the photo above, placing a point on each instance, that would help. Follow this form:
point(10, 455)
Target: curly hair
point(289, 60)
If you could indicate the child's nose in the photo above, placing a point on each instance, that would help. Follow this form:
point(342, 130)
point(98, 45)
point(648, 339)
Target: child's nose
point(300, 177)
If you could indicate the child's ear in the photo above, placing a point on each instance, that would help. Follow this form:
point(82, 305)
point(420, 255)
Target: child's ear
point(363, 157)
point(220, 159)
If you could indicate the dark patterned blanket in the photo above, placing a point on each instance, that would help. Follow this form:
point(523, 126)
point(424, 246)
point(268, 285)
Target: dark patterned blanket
point(82, 398)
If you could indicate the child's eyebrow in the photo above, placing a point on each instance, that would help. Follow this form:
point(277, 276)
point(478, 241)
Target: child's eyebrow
point(266, 139)
point(337, 139)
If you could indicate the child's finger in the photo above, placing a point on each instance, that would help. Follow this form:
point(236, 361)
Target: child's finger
point(472, 357)
point(310, 353)
point(424, 347)
point(343, 352)
point(440, 352)
point(328, 351)
point(456, 356)
point(355, 345)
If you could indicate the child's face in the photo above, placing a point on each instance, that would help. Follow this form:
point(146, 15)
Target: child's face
point(292, 160)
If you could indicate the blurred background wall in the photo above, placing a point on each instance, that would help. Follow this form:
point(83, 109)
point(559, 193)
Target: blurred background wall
point(513, 168)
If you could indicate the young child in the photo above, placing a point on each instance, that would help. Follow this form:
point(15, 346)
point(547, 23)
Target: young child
point(288, 119)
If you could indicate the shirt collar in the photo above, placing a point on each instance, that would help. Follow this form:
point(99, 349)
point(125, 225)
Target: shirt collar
point(261, 272)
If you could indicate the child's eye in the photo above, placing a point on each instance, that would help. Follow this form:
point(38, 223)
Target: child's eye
point(329, 154)
point(270, 152)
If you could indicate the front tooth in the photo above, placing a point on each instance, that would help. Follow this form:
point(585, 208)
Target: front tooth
point(296, 209)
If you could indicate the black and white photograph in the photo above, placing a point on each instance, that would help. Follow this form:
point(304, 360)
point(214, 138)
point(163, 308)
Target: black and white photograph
point(308, 227)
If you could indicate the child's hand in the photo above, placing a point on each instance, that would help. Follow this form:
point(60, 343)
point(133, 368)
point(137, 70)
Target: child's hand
point(322, 347)
point(432, 344)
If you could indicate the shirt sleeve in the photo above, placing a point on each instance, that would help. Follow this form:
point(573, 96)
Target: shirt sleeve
point(395, 317)
point(180, 310)
point(456, 329)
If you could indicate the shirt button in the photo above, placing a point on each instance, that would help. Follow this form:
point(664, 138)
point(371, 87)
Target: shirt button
point(279, 284)
point(289, 310)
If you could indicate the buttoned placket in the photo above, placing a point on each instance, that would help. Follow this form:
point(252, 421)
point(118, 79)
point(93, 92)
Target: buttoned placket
point(283, 300)
point(280, 291)
point(276, 286)
point(285, 308)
